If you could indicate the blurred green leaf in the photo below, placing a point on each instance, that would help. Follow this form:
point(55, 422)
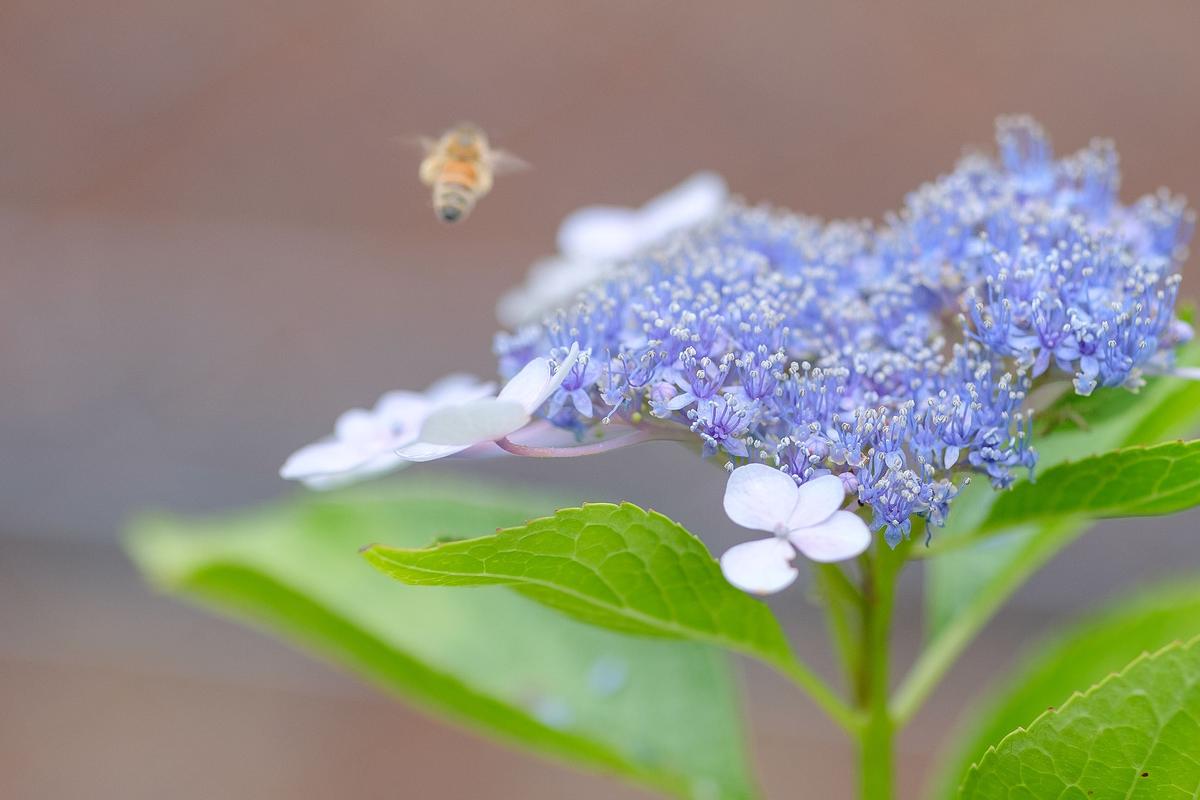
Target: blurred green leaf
point(1080, 656)
point(663, 713)
point(1166, 407)
point(1134, 735)
point(965, 586)
point(1072, 411)
point(615, 566)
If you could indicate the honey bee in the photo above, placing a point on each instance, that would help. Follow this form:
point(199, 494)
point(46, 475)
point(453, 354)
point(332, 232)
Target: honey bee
point(460, 167)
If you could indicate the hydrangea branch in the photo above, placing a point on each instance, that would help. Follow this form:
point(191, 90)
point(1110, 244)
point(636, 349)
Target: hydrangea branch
point(858, 375)
point(825, 696)
point(937, 658)
point(843, 610)
point(876, 738)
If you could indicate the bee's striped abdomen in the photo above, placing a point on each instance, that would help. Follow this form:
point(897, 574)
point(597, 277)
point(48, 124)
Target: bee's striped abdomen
point(452, 201)
point(456, 189)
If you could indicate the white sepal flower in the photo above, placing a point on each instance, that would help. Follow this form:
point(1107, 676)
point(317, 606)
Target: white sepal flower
point(611, 233)
point(593, 239)
point(364, 442)
point(806, 518)
point(453, 428)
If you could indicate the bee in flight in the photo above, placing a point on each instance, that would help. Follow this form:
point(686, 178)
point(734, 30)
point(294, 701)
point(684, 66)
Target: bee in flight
point(460, 167)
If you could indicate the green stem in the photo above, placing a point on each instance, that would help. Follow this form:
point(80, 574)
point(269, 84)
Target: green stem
point(821, 693)
point(951, 544)
point(839, 585)
point(875, 739)
point(843, 607)
point(949, 644)
point(875, 765)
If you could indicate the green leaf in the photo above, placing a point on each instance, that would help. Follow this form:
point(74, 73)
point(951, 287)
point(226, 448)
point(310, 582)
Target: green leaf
point(619, 567)
point(1081, 656)
point(1166, 407)
point(1134, 735)
point(660, 712)
point(1173, 400)
point(1113, 418)
point(1072, 411)
point(966, 585)
point(1133, 482)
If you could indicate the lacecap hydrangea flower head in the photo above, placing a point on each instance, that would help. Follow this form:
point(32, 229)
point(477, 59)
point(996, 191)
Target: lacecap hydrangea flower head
point(890, 361)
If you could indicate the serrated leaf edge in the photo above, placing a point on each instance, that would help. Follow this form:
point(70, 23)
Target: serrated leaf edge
point(1075, 697)
point(1131, 448)
point(1119, 610)
point(781, 657)
point(990, 526)
point(437, 545)
point(146, 544)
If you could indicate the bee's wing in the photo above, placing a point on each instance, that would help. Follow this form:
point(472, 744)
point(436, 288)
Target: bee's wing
point(423, 143)
point(428, 147)
point(504, 162)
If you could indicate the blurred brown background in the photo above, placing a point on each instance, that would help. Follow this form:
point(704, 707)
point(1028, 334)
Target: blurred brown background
point(211, 245)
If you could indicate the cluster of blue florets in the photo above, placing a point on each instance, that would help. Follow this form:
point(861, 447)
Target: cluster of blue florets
point(897, 355)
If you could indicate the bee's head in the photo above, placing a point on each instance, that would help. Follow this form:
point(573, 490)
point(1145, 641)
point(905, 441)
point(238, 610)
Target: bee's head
point(469, 135)
point(449, 214)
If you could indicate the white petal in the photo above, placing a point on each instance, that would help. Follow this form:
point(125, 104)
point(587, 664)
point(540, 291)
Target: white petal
point(357, 425)
point(458, 388)
point(365, 442)
point(599, 233)
point(380, 465)
point(841, 536)
point(559, 376)
point(612, 233)
point(691, 202)
point(759, 497)
point(323, 458)
point(520, 304)
point(550, 284)
point(324, 483)
point(527, 384)
point(398, 417)
point(592, 239)
point(535, 382)
point(761, 567)
point(470, 423)
point(423, 451)
point(817, 499)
